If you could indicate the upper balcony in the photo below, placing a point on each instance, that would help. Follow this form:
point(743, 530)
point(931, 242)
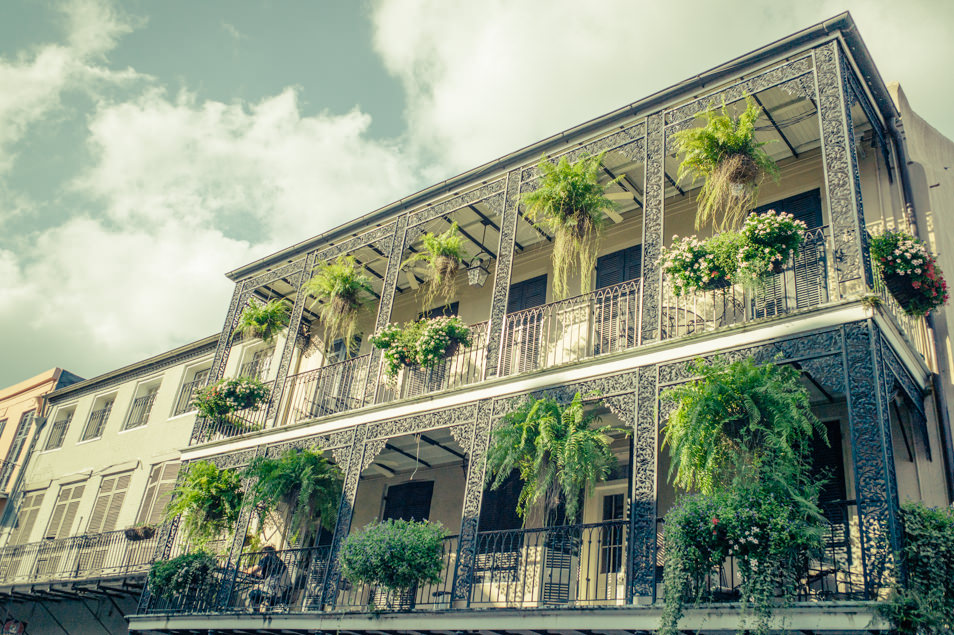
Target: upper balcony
point(837, 174)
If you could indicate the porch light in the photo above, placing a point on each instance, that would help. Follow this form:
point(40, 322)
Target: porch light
point(477, 271)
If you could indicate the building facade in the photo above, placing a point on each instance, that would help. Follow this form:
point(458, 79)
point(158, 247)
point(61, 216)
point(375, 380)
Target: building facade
point(104, 459)
point(878, 379)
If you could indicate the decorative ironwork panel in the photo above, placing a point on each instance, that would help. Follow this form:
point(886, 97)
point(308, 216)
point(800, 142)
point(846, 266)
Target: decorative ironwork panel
point(338, 443)
point(654, 192)
point(287, 272)
point(294, 327)
point(841, 172)
point(319, 596)
point(901, 375)
point(224, 593)
point(454, 203)
point(233, 460)
point(356, 242)
point(857, 94)
point(872, 453)
point(386, 302)
point(473, 494)
point(167, 535)
point(628, 142)
point(239, 300)
point(773, 77)
point(502, 271)
point(643, 496)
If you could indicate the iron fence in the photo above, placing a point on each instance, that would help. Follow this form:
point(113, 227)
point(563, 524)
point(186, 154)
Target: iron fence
point(604, 321)
point(328, 390)
point(89, 556)
point(97, 421)
point(802, 284)
point(465, 366)
point(235, 423)
point(568, 565)
point(139, 412)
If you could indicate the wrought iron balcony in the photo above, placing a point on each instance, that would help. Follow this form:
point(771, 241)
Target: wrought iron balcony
point(139, 412)
point(187, 394)
point(86, 557)
point(328, 390)
point(235, 423)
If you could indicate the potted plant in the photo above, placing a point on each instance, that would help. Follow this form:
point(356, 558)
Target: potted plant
point(302, 481)
point(218, 401)
point(740, 435)
point(724, 154)
point(139, 532)
point(909, 271)
point(767, 241)
point(396, 556)
point(191, 574)
point(424, 343)
point(556, 450)
point(342, 291)
point(208, 500)
point(692, 265)
point(570, 203)
point(264, 321)
point(443, 253)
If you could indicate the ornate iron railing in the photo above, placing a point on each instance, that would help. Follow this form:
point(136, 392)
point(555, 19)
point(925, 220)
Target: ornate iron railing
point(802, 284)
point(913, 328)
point(86, 557)
point(328, 390)
point(836, 575)
point(97, 421)
point(604, 321)
point(464, 367)
point(233, 424)
point(257, 368)
point(569, 565)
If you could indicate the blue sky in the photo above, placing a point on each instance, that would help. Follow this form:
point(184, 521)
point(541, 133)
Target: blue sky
point(147, 147)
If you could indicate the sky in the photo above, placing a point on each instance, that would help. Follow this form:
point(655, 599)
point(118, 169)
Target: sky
point(147, 147)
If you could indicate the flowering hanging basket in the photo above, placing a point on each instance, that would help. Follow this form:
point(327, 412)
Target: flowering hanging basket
point(230, 395)
point(691, 266)
point(141, 532)
point(910, 272)
point(424, 343)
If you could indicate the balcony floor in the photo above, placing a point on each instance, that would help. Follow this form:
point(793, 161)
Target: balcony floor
point(828, 617)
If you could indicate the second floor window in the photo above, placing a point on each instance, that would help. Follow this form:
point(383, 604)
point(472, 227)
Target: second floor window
point(64, 512)
point(109, 501)
point(257, 367)
point(162, 480)
point(141, 407)
point(98, 418)
point(188, 390)
point(26, 517)
point(58, 430)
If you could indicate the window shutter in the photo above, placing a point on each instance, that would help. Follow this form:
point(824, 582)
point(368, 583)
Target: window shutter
point(64, 512)
point(527, 294)
point(150, 495)
point(109, 502)
point(609, 269)
point(409, 501)
point(26, 518)
point(162, 480)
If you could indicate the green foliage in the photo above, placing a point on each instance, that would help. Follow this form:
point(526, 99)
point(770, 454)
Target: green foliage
point(395, 554)
point(555, 451)
point(740, 422)
point(423, 343)
point(924, 602)
point(191, 573)
point(227, 396)
point(910, 271)
point(731, 163)
point(570, 203)
point(208, 499)
point(302, 480)
point(741, 434)
point(264, 320)
point(770, 539)
point(443, 254)
point(343, 291)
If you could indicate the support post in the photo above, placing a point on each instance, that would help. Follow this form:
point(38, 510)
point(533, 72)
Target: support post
point(649, 318)
point(502, 272)
point(642, 517)
point(385, 304)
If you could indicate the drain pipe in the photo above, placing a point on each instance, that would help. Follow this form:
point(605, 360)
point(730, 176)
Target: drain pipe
point(940, 400)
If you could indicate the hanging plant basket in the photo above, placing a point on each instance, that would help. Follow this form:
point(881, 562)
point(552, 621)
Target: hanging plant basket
point(142, 532)
point(910, 272)
point(342, 292)
point(424, 343)
point(900, 287)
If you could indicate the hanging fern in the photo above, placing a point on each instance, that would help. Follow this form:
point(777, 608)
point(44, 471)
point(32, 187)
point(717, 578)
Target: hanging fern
point(570, 203)
point(265, 321)
point(443, 254)
point(724, 154)
point(301, 480)
point(343, 291)
point(208, 499)
point(556, 452)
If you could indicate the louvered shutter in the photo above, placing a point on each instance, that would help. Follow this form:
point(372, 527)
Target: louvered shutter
point(64, 512)
point(26, 518)
point(150, 494)
point(409, 501)
point(524, 335)
point(620, 266)
point(616, 312)
point(16, 447)
point(162, 493)
point(811, 284)
point(109, 502)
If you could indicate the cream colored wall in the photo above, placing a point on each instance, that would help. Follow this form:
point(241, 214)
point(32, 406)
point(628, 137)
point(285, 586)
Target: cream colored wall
point(446, 502)
point(116, 451)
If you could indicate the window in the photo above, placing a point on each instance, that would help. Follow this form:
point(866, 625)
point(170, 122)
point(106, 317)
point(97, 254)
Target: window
point(112, 492)
point(258, 363)
point(64, 512)
point(98, 417)
point(408, 501)
point(162, 480)
point(3, 424)
point(196, 380)
point(58, 429)
point(620, 266)
point(611, 547)
point(142, 405)
point(16, 448)
point(26, 517)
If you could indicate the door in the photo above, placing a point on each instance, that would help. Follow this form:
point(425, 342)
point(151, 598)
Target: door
point(53, 557)
point(525, 329)
point(338, 389)
point(806, 283)
point(617, 310)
